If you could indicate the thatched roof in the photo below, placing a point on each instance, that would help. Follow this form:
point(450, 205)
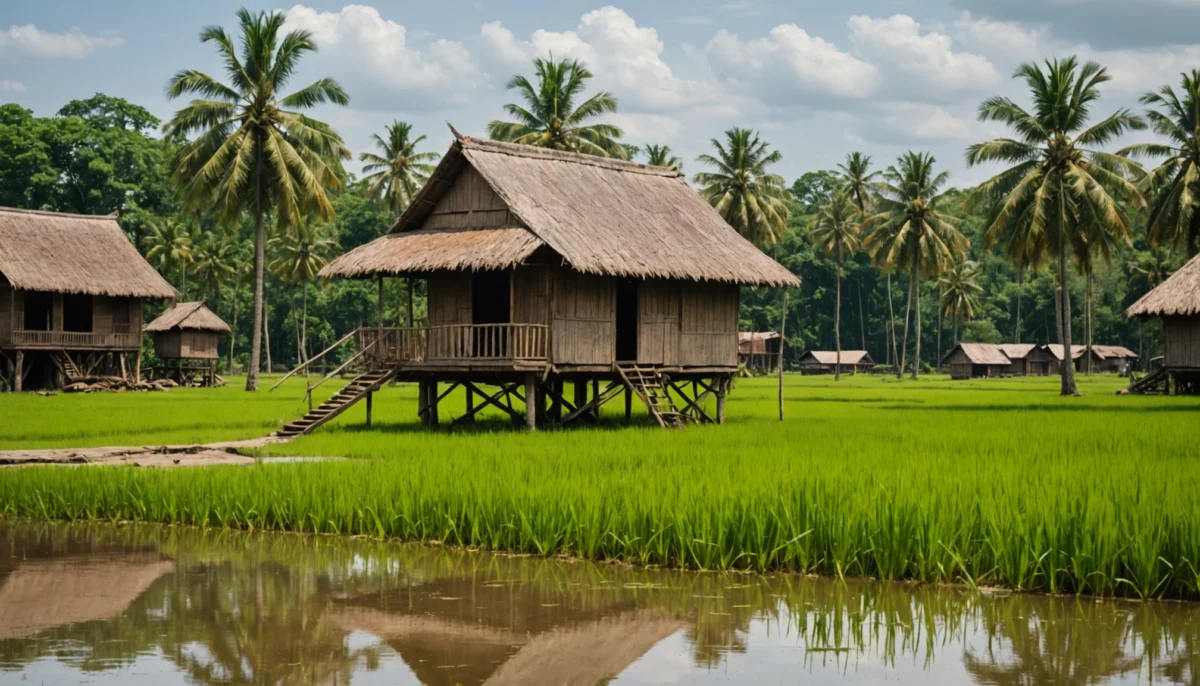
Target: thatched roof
point(601, 216)
point(193, 316)
point(829, 357)
point(74, 253)
point(1115, 351)
point(1178, 296)
point(1056, 350)
point(981, 353)
point(755, 342)
point(1018, 351)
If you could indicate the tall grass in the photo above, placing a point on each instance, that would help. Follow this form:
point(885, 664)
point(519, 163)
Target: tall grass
point(996, 483)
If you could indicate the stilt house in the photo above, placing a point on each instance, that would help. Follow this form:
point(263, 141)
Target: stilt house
point(544, 267)
point(1177, 302)
point(186, 338)
point(759, 350)
point(71, 290)
point(826, 362)
point(976, 361)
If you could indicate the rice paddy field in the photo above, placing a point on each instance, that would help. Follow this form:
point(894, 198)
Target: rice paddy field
point(984, 483)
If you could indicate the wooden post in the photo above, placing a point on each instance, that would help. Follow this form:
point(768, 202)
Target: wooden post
point(782, 326)
point(137, 367)
point(531, 403)
point(628, 404)
point(722, 388)
point(8, 372)
point(379, 320)
point(556, 408)
point(470, 415)
point(580, 394)
point(18, 382)
point(596, 394)
point(432, 394)
point(370, 403)
point(422, 400)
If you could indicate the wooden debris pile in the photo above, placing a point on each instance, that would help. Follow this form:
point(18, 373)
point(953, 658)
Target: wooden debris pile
point(117, 384)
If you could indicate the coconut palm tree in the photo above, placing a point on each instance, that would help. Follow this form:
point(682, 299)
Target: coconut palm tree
point(1174, 218)
point(297, 256)
point(910, 233)
point(169, 247)
point(837, 234)
point(1058, 184)
point(960, 290)
point(213, 260)
point(253, 150)
point(660, 156)
point(398, 171)
point(861, 183)
point(552, 117)
point(750, 198)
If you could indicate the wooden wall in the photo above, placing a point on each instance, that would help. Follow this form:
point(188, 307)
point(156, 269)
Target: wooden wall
point(1183, 341)
point(584, 328)
point(531, 288)
point(449, 298)
point(658, 322)
point(7, 298)
point(191, 345)
point(709, 325)
point(470, 204)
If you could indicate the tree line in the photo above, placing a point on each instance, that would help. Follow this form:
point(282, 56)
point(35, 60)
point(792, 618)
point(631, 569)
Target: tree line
point(244, 198)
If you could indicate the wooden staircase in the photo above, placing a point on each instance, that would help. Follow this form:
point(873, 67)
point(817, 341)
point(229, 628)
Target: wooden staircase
point(351, 393)
point(68, 366)
point(1155, 382)
point(649, 385)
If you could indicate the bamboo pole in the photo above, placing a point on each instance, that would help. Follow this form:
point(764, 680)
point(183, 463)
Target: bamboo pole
point(782, 338)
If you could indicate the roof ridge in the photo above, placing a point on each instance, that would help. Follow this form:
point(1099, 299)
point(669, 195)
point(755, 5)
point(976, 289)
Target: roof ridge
point(51, 213)
point(519, 150)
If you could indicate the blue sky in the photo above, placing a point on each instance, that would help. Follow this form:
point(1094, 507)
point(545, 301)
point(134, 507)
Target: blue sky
point(818, 79)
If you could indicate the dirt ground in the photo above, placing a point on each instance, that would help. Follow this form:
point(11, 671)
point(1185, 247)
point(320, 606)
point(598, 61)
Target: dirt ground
point(143, 456)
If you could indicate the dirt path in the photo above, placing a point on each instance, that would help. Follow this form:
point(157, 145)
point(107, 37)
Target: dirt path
point(144, 456)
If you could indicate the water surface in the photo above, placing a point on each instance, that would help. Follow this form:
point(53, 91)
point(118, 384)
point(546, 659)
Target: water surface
point(105, 604)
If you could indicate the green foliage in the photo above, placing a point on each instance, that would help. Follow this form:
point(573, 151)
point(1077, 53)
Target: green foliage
point(814, 189)
point(751, 199)
point(661, 156)
point(399, 171)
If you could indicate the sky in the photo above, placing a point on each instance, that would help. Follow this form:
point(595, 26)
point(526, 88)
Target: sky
point(816, 79)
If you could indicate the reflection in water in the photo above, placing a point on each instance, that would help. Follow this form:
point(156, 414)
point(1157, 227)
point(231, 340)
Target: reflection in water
point(139, 604)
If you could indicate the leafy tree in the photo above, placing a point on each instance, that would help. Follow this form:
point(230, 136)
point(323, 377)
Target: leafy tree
point(837, 234)
point(1059, 186)
point(814, 189)
point(27, 176)
point(861, 184)
point(551, 117)
point(1175, 184)
point(750, 198)
point(960, 292)
point(398, 172)
point(214, 259)
point(254, 151)
point(909, 231)
point(631, 150)
point(169, 247)
point(661, 156)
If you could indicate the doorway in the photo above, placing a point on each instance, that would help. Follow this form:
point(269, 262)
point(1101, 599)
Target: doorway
point(77, 313)
point(39, 308)
point(627, 320)
point(491, 303)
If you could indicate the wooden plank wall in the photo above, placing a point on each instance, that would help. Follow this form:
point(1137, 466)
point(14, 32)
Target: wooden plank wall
point(102, 313)
point(6, 313)
point(709, 325)
point(531, 295)
point(168, 344)
point(199, 345)
point(658, 323)
point(469, 204)
point(449, 298)
point(1183, 341)
point(585, 318)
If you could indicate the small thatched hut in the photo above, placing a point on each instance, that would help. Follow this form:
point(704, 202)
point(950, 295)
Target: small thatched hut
point(71, 291)
point(1106, 359)
point(759, 350)
point(976, 361)
point(826, 362)
point(186, 338)
point(1026, 359)
point(1055, 353)
point(1177, 302)
point(544, 267)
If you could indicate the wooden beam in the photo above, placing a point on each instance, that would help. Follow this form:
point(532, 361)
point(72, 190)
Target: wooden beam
point(492, 400)
point(531, 403)
point(628, 404)
point(19, 376)
point(557, 401)
point(722, 391)
point(693, 404)
point(595, 393)
point(612, 391)
point(470, 410)
point(370, 403)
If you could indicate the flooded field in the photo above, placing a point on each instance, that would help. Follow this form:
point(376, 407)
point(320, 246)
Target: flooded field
point(103, 604)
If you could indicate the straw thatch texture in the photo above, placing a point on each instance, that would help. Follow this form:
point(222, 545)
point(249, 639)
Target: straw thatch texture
point(193, 316)
point(755, 342)
point(1107, 351)
point(435, 250)
point(1178, 296)
point(1056, 350)
point(74, 253)
point(1017, 351)
point(982, 353)
point(848, 356)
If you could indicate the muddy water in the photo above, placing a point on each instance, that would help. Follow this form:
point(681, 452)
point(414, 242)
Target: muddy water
point(137, 605)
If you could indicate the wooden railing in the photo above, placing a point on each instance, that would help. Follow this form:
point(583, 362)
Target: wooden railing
point(459, 342)
point(75, 339)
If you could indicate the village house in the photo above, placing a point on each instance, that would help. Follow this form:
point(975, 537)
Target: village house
point(759, 350)
point(1026, 359)
point(71, 291)
point(1177, 302)
point(186, 340)
point(544, 268)
point(826, 362)
point(976, 360)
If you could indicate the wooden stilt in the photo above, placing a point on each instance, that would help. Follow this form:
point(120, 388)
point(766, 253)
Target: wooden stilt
point(137, 366)
point(8, 373)
point(722, 385)
point(423, 402)
point(580, 393)
point(470, 415)
point(628, 404)
point(596, 394)
point(18, 377)
point(124, 371)
point(531, 402)
point(370, 406)
point(556, 406)
point(434, 399)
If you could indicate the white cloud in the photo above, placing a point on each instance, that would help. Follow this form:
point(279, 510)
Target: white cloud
point(923, 62)
point(7, 86)
point(788, 62)
point(1003, 38)
point(30, 41)
point(926, 122)
point(644, 126)
point(375, 51)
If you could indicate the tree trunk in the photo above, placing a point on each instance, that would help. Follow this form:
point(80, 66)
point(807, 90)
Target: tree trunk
point(837, 324)
point(782, 338)
point(267, 331)
point(1089, 324)
point(256, 340)
point(1020, 280)
point(916, 280)
point(862, 320)
point(891, 320)
point(940, 325)
point(904, 341)
point(1068, 364)
point(233, 332)
point(304, 322)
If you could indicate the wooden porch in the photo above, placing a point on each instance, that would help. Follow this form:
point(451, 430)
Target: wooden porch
point(456, 346)
point(70, 340)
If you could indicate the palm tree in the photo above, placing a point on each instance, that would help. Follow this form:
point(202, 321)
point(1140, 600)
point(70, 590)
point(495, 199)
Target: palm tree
point(551, 118)
point(213, 260)
point(910, 232)
point(1174, 218)
point(169, 247)
point(837, 234)
point(297, 257)
point(861, 183)
point(660, 156)
point(960, 291)
point(751, 199)
point(1058, 185)
point(253, 151)
point(398, 172)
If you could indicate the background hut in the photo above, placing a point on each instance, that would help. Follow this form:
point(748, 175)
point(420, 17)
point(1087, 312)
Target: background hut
point(1054, 352)
point(1026, 359)
point(544, 268)
point(825, 362)
point(976, 361)
point(186, 339)
point(759, 350)
point(1177, 302)
point(71, 290)
point(1106, 359)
